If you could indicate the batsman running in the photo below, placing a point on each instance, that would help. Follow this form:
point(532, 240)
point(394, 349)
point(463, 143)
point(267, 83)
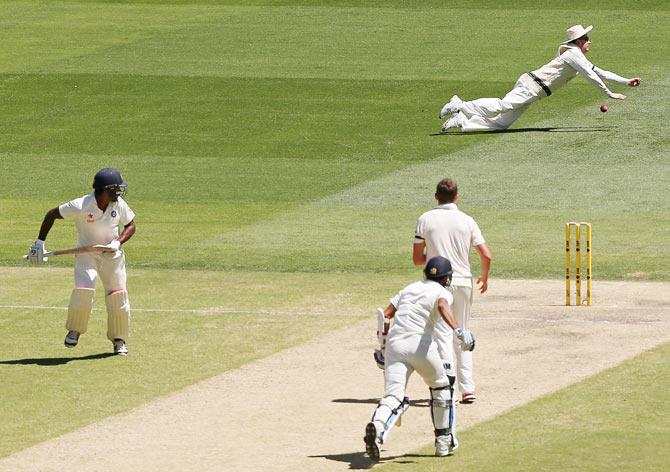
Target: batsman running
point(421, 314)
point(97, 217)
point(499, 114)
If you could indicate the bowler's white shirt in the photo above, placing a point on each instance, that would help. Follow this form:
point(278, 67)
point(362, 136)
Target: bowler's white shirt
point(450, 233)
point(416, 309)
point(93, 225)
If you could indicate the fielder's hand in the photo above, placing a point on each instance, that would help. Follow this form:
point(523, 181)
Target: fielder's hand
point(36, 253)
point(634, 82)
point(379, 358)
point(618, 96)
point(467, 339)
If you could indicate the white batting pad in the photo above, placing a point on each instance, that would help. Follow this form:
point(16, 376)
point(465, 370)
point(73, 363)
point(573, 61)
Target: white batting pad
point(79, 309)
point(387, 414)
point(118, 315)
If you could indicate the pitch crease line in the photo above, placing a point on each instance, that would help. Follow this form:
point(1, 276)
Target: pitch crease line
point(204, 311)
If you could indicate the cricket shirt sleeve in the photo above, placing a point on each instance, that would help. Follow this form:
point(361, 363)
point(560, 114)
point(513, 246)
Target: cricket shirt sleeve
point(607, 75)
point(126, 214)
point(72, 209)
point(395, 301)
point(476, 236)
point(578, 61)
point(446, 295)
point(419, 232)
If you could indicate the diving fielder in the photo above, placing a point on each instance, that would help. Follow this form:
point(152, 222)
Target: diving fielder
point(97, 217)
point(499, 114)
point(418, 310)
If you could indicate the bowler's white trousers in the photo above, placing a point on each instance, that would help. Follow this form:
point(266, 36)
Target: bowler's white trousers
point(461, 310)
point(110, 267)
point(498, 113)
point(404, 355)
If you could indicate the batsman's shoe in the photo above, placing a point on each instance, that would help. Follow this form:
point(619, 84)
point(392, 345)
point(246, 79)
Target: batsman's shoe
point(453, 122)
point(452, 107)
point(120, 347)
point(445, 445)
point(71, 339)
point(371, 448)
point(468, 398)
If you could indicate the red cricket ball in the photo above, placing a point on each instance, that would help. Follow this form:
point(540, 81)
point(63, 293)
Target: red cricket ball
point(603, 108)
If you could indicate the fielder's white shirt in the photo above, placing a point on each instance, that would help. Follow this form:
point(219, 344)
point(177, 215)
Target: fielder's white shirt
point(450, 233)
point(93, 225)
point(570, 61)
point(416, 309)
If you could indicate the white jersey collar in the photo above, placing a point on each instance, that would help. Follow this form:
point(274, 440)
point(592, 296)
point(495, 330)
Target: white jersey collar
point(564, 47)
point(447, 206)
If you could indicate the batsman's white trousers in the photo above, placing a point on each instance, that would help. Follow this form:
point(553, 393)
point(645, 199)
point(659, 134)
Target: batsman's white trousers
point(461, 310)
point(110, 267)
point(406, 354)
point(498, 113)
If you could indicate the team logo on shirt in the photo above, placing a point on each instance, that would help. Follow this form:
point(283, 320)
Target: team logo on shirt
point(113, 213)
point(89, 218)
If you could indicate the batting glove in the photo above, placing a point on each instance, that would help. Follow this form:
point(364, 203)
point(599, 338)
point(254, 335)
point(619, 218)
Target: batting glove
point(379, 358)
point(467, 339)
point(36, 253)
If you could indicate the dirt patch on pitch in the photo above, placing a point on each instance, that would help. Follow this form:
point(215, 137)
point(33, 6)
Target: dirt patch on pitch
point(305, 408)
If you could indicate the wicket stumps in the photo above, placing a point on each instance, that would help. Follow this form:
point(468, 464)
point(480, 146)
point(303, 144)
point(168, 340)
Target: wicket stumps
point(578, 262)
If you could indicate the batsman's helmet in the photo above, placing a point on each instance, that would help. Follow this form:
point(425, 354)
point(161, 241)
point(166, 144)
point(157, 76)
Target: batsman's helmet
point(109, 179)
point(438, 267)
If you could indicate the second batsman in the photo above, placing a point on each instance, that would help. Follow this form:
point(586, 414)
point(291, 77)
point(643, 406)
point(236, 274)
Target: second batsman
point(98, 217)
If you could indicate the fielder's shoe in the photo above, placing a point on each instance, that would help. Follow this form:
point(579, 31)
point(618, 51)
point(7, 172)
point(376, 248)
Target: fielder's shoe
point(370, 439)
point(468, 398)
point(453, 122)
point(120, 347)
point(452, 107)
point(445, 445)
point(71, 339)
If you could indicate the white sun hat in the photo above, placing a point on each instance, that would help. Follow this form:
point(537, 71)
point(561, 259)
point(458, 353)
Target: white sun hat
point(576, 32)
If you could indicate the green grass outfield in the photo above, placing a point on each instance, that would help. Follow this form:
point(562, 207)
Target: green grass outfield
point(286, 148)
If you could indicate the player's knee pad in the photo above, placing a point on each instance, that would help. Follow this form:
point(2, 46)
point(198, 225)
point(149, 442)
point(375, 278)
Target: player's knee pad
point(118, 315)
point(442, 409)
point(79, 309)
point(388, 412)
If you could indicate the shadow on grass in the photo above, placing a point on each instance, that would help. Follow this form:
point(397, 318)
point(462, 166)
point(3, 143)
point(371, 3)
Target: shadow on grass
point(359, 461)
point(374, 401)
point(564, 129)
point(56, 360)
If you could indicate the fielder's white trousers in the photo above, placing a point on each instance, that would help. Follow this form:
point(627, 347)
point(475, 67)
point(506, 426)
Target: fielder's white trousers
point(461, 310)
point(497, 113)
point(407, 354)
point(110, 267)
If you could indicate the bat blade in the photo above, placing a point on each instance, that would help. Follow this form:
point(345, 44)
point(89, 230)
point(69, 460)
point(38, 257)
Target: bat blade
point(98, 248)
